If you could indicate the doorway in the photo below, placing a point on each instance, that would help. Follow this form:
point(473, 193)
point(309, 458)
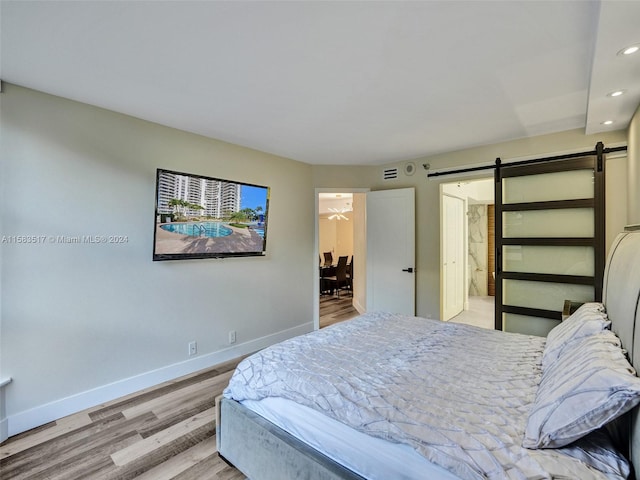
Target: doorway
point(338, 226)
point(340, 231)
point(383, 278)
point(467, 263)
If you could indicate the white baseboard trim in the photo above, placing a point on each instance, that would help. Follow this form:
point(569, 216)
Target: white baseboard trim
point(4, 422)
point(4, 429)
point(360, 308)
point(35, 417)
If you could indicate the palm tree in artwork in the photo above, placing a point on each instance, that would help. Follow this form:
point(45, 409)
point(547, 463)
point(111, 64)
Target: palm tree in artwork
point(181, 207)
point(239, 217)
point(177, 205)
point(259, 216)
point(194, 206)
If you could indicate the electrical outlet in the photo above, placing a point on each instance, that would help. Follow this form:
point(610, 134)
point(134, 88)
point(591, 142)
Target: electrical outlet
point(193, 348)
point(232, 336)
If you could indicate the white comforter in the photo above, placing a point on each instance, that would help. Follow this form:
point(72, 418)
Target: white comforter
point(459, 395)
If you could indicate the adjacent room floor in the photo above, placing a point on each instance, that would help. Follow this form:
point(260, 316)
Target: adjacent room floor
point(481, 313)
point(335, 309)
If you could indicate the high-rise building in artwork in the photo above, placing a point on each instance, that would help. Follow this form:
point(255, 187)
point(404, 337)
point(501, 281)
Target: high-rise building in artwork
point(167, 184)
point(217, 198)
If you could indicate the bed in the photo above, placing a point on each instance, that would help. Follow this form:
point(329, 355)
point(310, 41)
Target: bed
point(386, 396)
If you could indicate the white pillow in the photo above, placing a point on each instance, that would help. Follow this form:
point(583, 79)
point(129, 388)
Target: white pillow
point(587, 320)
point(590, 384)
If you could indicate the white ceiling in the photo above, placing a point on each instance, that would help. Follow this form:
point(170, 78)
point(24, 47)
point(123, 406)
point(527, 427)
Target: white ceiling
point(335, 82)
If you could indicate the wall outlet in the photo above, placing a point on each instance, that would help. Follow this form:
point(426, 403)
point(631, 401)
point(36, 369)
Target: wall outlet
point(193, 348)
point(232, 336)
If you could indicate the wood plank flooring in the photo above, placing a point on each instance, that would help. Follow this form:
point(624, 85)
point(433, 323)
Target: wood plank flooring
point(334, 309)
point(161, 433)
point(164, 432)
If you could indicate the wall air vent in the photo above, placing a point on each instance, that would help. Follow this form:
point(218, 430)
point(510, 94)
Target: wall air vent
point(389, 173)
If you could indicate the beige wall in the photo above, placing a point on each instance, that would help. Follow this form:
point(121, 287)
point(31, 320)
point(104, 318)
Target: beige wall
point(633, 204)
point(326, 236)
point(336, 236)
point(83, 322)
point(616, 194)
point(344, 236)
point(348, 178)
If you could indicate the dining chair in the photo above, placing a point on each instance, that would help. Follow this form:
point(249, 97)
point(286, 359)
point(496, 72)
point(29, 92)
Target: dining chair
point(339, 281)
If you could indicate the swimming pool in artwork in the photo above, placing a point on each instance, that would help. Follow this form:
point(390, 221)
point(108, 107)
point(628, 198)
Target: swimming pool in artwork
point(199, 229)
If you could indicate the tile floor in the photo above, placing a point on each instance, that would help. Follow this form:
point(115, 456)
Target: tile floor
point(480, 313)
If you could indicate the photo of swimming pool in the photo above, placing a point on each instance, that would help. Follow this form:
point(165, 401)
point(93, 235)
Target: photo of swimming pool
point(207, 217)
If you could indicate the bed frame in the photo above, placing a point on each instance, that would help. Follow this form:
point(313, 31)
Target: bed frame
point(621, 296)
point(251, 443)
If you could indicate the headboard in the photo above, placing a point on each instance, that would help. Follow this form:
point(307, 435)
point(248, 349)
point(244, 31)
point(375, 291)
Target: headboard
point(621, 296)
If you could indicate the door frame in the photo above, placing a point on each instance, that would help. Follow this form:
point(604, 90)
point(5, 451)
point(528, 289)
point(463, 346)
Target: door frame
point(471, 178)
point(316, 245)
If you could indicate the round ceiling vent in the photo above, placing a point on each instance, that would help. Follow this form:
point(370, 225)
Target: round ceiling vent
point(409, 168)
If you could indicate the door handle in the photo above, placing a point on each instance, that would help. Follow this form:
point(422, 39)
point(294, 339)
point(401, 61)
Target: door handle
point(410, 270)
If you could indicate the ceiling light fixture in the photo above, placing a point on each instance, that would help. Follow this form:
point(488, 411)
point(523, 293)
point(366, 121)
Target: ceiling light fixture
point(617, 93)
point(338, 213)
point(607, 122)
point(630, 50)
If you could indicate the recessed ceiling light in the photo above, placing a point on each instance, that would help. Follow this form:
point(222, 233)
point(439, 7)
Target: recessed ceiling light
point(616, 93)
point(607, 122)
point(631, 49)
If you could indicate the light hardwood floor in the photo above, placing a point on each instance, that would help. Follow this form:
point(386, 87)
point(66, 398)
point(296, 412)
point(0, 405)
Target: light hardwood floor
point(334, 309)
point(164, 432)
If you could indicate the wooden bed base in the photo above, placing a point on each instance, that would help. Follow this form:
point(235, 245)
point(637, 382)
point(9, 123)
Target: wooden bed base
point(263, 451)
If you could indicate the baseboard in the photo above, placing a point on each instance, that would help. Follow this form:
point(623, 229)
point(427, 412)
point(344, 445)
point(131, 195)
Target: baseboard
point(4, 422)
point(55, 410)
point(359, 307)
point(4, 429)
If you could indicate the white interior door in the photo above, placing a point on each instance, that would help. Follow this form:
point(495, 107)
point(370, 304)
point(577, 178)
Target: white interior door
point(452, 256)
point(390, 277)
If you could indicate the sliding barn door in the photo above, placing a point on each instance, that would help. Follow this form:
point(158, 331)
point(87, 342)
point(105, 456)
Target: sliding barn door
point(550, 240)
